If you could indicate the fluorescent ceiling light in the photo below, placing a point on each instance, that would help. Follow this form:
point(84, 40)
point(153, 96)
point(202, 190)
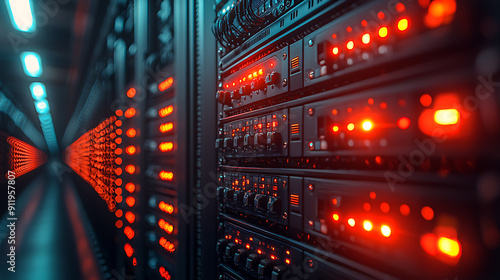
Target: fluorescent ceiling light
point(21, 15)
point(32, 64)
point(42, 106)
point(38, 91)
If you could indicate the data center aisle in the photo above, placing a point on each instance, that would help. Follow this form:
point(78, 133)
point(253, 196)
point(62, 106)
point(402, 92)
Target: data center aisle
point(51, 240)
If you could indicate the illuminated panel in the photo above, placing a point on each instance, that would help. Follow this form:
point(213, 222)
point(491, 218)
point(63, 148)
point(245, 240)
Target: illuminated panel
point(23, 157)
point(92, 157)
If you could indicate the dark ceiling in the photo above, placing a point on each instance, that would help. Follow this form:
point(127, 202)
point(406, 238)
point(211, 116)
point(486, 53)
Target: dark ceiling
point(61, 29)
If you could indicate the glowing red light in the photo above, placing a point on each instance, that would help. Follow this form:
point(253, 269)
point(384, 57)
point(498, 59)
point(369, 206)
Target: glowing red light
point(164, 273)
point(400, 7)
point(335, 217)
point(130, 217)
point(450, 247)
point(384, 207)
point(425, 100)
point(385, 230)
point(119, 224)
point(129, 251)
point(351, 222)
point(119, 113)
point(335, 50)
point(403, 123)
point(131, 92)
point(166, 127)
point(130, 187)
point(381, 15)
point(366, 38)
point(166, 146)
point(165, 207)
point(403, 24)
point(130, 201)
point(427, 213)
point(367, 206)
point(350, 45)
point(447, 116)
point(383, 32)
point(129, 232)
point(131, 150)
point(367, 225)
point(166, 84)
point(404, 210)
point(373, 195)
point(131, 132)
point(118, 213)
point(367, 125)
point(130, 169)
point(130, 113)
point(167, 245)
point(166, 175)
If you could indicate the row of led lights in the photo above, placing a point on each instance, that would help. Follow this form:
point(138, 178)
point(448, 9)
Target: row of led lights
point(439, 12)
point(449, 116)
point(131, 169)
point(22, 18)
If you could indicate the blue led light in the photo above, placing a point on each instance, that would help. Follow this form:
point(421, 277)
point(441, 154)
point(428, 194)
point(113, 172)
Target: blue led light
point(21, 15)
point(38, 91)
point(32, 64)
point(42, 106)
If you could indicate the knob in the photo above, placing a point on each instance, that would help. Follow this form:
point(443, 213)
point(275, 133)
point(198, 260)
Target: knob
point(265, 267)
point(260, 201)
point(228, 193)
point(278, 272)
point(272, 79)
point(245, 90)
point(239, 256)
point(273, 205)
point(248, 140)
point(224, 97)
point(248, 198)
point(252, 261)
point(221, 246)
point(230, 250)
point(238, 196)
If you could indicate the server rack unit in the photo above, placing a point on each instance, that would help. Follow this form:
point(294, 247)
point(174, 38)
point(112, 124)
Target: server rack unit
point(353, 137)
